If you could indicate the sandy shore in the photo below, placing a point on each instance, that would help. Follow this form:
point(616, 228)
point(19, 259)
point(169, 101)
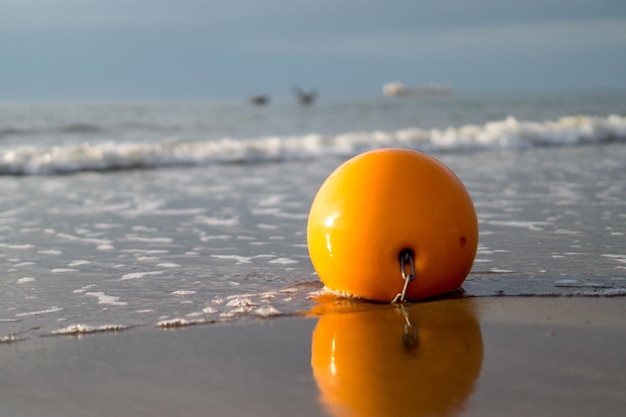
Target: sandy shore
point(500, 356)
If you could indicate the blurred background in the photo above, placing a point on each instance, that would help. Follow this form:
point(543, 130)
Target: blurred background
point(159, 49)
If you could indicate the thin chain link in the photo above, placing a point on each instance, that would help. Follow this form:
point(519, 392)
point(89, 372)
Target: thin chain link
point(406, 260)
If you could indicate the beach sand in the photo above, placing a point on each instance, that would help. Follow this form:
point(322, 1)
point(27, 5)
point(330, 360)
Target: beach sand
point(475, 356)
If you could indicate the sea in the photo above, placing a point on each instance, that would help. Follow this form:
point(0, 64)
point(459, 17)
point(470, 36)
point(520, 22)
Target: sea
point(124, 214)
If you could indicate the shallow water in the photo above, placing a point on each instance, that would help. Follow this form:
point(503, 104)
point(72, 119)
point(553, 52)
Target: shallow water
point(98, 252)
point(188, 239)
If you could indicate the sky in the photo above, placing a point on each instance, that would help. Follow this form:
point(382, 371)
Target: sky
point(152, 49)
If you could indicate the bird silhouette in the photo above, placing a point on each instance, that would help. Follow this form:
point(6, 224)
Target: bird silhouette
point(306, 98)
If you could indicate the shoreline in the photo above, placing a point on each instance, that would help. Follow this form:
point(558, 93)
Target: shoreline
point(511, 356)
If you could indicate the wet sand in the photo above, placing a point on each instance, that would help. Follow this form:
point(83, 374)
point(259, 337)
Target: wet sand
point(492, 356)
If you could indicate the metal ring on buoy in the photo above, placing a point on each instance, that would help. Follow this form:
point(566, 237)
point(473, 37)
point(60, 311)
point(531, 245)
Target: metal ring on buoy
point(379, 207)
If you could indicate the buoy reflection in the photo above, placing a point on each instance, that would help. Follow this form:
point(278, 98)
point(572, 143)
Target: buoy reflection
point(418, 359)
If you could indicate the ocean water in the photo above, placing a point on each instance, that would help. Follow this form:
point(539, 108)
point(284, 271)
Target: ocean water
point(173, 213)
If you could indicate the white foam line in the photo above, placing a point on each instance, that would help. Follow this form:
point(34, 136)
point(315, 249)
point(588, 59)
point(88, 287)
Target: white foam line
point(180, 322)
point(53, 309)
point(83, 289)
point(183, 293)
point(106, 299)
point(294, 216)
point(609, 292)
point(107, 226)
point(50, 252)
point(162, 212)
point(144, 229)
point(10, 338)
point(509, 133)
point(267, 311)
point(566, 283)
point(218, 221)
point(10, 246)
point(239, 259)
point(75, 329)
point(146, 251)
point(617, 258)
point(84, 239)
point(264, 226)
point(271, 200)
point(283, 261)
point(147, 239)
point(241, 302)
point(138, 275)
point(534, 226)
point(207, 238)
point(78, 263)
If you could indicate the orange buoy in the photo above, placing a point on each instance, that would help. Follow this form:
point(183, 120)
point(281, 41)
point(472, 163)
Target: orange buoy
point(389, 209)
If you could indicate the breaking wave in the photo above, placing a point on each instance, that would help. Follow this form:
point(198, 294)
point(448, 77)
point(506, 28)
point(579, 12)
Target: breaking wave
point(507, 134)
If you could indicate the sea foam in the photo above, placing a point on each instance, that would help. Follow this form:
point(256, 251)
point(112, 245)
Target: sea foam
point(509, 133)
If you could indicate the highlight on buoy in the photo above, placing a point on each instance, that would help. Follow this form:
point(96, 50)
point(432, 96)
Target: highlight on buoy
point(392, 225)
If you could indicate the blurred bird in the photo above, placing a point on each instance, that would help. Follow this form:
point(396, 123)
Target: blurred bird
point(305, 98)
point(259, 100)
